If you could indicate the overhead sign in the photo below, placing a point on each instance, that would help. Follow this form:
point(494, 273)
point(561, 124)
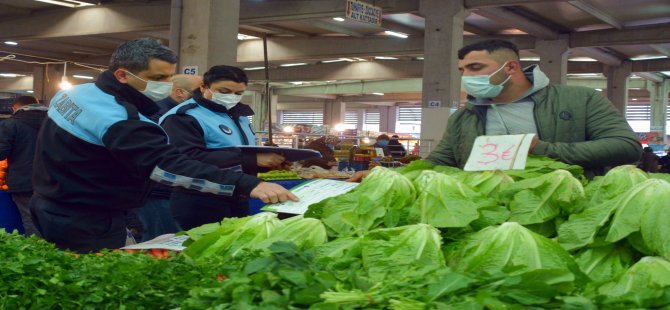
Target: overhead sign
point(363, 12)
point(192, 70)
point(505, 152)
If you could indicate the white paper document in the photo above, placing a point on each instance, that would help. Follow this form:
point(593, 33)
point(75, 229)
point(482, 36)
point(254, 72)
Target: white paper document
point(167, 241)
point(309, 193)
point(505, 152)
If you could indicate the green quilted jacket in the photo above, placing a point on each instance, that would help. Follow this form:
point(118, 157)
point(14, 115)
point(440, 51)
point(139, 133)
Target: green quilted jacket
point(576, 125)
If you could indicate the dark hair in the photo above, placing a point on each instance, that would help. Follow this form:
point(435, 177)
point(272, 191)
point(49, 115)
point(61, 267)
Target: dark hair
point(135, 55)
point(25, 100)
point(489, 46)
point(224, 73)
point(383, 137)
point(648, 149)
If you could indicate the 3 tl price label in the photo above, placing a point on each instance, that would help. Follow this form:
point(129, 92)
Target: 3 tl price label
point(506, 152)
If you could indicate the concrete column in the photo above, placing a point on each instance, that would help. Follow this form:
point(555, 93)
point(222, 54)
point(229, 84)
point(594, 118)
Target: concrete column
point(46, 80)
point(441, 85)
point(209, 33)
point(658, 99)
point(554, 58)
point(274, 99)
point(260, 109)
point(360, 119)
point(387, 118)
point(617, 84)
point(333, 112)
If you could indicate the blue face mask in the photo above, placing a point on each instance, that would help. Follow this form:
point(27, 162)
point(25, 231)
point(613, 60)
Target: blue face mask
point(479, 86)
point(383, 143)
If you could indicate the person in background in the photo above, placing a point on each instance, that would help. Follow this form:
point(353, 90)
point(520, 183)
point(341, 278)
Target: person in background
point(573, 124)
point(649, 161)
point(665, 162)
point(382, 142)
point(208, 127)
point(155, 216)
point(17, 144)
point(326, 146)
point(183, 86)
point(396, 149)
point(97, 151)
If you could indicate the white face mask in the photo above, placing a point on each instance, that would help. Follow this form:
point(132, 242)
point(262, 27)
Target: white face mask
point(226, 100)
point(156, 91)
point(479, 86)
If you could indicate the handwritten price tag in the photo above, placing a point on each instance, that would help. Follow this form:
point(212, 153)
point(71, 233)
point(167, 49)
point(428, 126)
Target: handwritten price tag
point(506, 152)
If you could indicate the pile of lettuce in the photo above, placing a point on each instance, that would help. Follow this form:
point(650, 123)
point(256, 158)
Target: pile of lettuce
point(435, 237)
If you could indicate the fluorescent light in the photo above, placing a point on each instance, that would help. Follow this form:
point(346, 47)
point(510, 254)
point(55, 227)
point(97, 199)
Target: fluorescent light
point(67, 3)
point(288, 129)
point(396, 34)
point(419, 58)
point(359, 59)
point(667, 73)
point(386, 58)
point(337, 60)
point(585, 74)
point(245, 37)
point(11, 43)
point(297, 83)
point(85, 77)
point(294, 64)
point(599, 89)
point(254, 68)
point(378, 94)
point(634, 99)
point(529, 58)
point(10, 75)
point(339, 19)
point(647, 57)
point(584, 59)
point(29, 91)
point(65, 84)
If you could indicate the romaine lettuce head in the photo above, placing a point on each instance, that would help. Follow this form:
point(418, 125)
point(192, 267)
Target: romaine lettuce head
point(618, 180)
point(446, 202)
point(489, 183)
point(603, 264)
point(511, 247)
point(631, 205)
point(385, 189)
point(655, 223)
point(235, 234)
point(540, 199)
point(305, 233)
point(389, 251)
point(645, 284)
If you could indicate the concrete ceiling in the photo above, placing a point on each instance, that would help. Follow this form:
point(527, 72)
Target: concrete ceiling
point(610, 31)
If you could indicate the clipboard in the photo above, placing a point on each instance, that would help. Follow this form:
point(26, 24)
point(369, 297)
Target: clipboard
point(288, 153)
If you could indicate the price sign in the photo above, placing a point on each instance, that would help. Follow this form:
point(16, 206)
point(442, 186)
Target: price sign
point(192, 70)
point(506, 152)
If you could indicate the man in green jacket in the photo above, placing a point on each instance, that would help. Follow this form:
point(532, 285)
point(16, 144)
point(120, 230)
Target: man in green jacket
point(576, 125)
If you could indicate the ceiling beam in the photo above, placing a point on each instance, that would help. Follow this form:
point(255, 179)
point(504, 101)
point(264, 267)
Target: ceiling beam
point(398, 27)
point(472, 4)
point(589, 8)
point(362, 87)
point(651, 65)
point(281, 30)
point(291, 48)
point(476, 30)
point(93, 20)
point(600, 55)
point(328, 26)
point(661, 49)
point(260, 12)
point(656, 34)
point(13, 11)
point(512, 19)
point(376, 70)
point(650, 76)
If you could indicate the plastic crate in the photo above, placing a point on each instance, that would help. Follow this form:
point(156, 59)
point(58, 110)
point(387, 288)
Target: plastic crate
point(10, 218)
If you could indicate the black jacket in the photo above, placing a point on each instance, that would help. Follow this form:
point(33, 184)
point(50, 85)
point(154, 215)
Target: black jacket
point(17, 143)
point(187, 135)
point(163, 106)
point(97, 150)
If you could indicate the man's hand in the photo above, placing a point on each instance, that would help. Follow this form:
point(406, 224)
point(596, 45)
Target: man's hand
point(533, 143)
point(358, 176)
point(269, 160)
point(272, 193)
